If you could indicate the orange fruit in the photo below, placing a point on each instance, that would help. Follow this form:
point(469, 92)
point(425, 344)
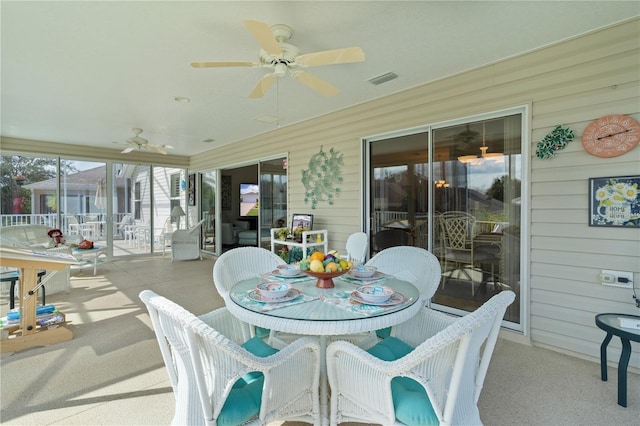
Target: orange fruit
point(331, 267)
point(317, 256)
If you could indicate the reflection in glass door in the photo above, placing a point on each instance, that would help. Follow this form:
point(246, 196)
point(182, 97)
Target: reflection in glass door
point(208, 210)
point(477, 172)
point(399, 177)
point(273, 198)
point(458, 198)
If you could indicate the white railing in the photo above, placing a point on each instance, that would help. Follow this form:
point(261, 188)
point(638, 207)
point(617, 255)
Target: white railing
point(384, 216)
point(28, 219)
point(49, 219)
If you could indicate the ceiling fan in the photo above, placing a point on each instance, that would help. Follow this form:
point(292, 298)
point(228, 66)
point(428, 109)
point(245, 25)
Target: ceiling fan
point(484, 155)
point(281, 57)
point(139, 143)
point(465, 138)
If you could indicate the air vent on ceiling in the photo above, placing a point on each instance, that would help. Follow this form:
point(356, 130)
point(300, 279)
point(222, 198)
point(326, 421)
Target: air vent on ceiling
point(383, 78)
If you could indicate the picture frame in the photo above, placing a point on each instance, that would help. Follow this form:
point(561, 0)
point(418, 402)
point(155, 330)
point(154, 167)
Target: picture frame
point(191, 187)
point(614, 201)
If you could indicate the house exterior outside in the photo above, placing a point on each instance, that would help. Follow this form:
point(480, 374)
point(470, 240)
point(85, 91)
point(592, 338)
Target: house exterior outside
point(571, 83)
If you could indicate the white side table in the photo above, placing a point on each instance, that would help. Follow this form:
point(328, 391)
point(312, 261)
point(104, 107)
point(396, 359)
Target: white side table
point(92, 256)
point(305, 244)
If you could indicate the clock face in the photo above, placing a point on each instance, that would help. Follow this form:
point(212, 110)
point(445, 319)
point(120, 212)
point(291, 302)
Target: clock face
point(611, 136)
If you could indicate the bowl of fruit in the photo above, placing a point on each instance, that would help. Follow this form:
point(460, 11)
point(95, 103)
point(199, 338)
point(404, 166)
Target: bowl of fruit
point(324, 267)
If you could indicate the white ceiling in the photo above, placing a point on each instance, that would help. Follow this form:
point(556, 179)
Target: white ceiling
point(81, 72)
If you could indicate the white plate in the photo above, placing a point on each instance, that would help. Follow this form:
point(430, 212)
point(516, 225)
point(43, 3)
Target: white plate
point(256, 296)
point(376, 276)
point(277, 274)
point(395, 299)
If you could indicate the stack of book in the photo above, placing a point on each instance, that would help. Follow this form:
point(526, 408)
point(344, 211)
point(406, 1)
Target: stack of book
point(46, 315)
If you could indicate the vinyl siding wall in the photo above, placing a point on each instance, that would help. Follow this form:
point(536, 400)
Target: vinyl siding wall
point(571, 83)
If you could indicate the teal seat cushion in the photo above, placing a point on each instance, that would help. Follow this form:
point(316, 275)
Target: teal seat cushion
point(410, 400)
point(383, 332)
point(259, 347)
point(390, 349)
point(243, 402)
point(262, 332)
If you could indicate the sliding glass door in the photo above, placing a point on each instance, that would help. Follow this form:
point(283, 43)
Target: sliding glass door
point(273, 197)
point(454, 189)
point(208, 185)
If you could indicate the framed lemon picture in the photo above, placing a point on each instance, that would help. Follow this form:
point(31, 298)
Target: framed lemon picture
point(614, 201)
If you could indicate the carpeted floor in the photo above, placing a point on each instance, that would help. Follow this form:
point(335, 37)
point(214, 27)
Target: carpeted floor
point(112, 373)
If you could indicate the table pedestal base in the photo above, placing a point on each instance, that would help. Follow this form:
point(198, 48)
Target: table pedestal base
point(325, 283)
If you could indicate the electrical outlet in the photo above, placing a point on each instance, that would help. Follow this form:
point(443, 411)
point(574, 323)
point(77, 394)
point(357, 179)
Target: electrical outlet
point(617, 278)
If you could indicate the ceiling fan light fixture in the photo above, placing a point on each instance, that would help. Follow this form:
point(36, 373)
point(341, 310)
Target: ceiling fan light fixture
point(280, 69)
point(467, 158)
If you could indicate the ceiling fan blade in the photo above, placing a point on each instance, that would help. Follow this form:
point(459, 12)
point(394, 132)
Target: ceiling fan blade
point(224, 64)
point(263, 86)
point(264, 36)
point(330, 57)
point(127, 150)
point(157, 148)
point(315, 83)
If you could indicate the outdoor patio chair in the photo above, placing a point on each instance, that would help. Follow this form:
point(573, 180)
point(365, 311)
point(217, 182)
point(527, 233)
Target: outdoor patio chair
point(457, 232)
point(240, 264)
point(121, 227)
point(185, 243)
point(431, 371)
point(414, 264)
point(219, 377)
point(357, 245)
point(73, 226)
point(162, 236)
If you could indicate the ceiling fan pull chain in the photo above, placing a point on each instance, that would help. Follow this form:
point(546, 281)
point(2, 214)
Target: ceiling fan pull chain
point(278, 103)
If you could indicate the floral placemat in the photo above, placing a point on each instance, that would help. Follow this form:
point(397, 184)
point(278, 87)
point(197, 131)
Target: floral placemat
point(243, 299)
point(270, 277)
point(344, 301)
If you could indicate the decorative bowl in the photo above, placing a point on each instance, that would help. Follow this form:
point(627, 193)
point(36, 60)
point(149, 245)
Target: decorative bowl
point(363, 271)
point(288, 270)
point(273, 290)
point(375, 293)
point(325, 279)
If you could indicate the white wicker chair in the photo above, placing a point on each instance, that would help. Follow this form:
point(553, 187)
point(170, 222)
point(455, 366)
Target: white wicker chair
point(208, 359)
point(240, 264)
point(437, 360)
point(414, 264)
point(357, 245)
point(185, 243)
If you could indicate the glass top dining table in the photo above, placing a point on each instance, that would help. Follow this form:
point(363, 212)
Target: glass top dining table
point(311, 310)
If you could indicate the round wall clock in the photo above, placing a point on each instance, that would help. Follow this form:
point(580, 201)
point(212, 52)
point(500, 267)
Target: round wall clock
point(611, 135)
